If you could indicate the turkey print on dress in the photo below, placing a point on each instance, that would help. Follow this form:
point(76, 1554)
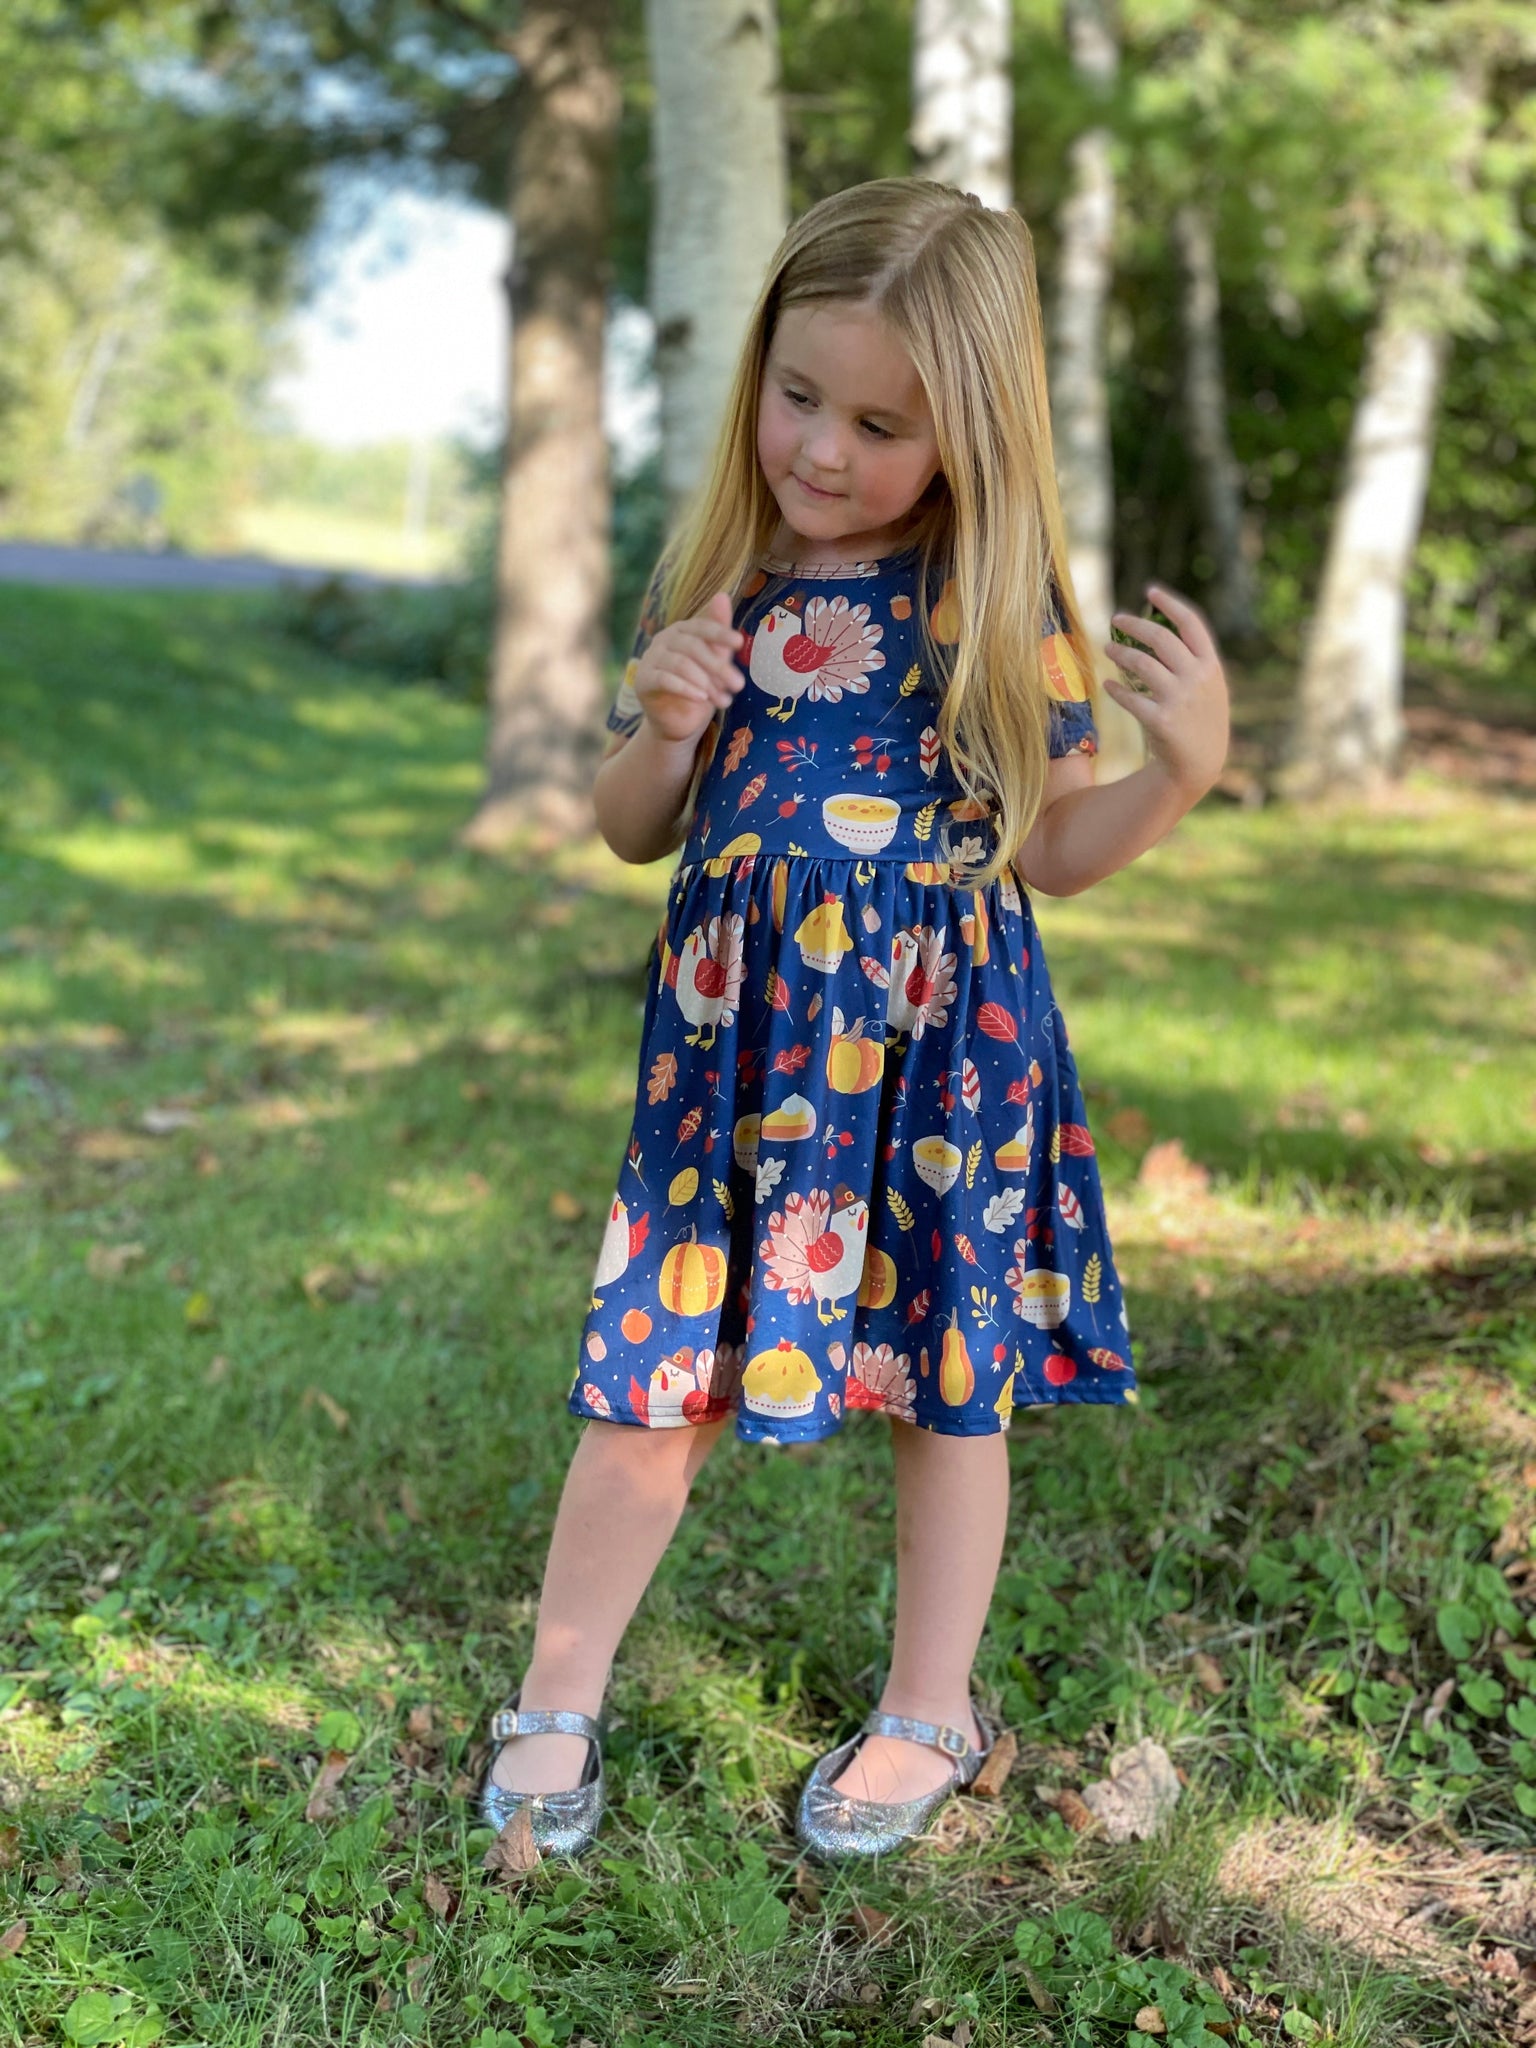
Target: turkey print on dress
point(860, 1173)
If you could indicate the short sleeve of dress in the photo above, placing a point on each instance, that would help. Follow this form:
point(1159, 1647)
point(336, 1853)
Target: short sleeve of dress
point(624, 714)
point(1073, 730)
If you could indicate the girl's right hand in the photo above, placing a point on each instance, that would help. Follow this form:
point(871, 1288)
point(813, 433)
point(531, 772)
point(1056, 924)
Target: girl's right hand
point(687, 673)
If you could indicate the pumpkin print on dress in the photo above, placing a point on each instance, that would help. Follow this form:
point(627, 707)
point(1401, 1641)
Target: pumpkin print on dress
point(860, 1173)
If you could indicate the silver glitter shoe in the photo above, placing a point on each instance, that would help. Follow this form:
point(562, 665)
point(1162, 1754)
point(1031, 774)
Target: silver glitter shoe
point(562, 1823)
point(831, 1824)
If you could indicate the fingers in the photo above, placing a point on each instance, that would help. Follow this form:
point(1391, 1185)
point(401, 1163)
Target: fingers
point(1189, 618)
point(1166, 644)
point(1138, 663)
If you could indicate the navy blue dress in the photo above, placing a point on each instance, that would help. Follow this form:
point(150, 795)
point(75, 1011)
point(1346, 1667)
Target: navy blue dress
point(860, 1173)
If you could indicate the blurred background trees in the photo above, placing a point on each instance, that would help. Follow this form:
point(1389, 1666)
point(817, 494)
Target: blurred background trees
point(1280, 247)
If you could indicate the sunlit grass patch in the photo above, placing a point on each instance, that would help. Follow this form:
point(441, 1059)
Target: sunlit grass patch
point(313, 1121)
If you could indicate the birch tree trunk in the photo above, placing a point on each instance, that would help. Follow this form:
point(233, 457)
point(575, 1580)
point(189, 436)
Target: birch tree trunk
point(1348, 728)
point(721, 206)
point(547, 685)
point(1079, 398)
point(962, 97)
point(1346, 736)
point(1234, 593)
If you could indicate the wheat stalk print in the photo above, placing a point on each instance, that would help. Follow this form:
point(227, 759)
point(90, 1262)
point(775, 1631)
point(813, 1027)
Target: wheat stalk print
point(911, 679)
point(1055, 1144)
point(972, 1161)
point(723, 1197)
point(1092, 1273)
point(922, 824)
point(900, 1210)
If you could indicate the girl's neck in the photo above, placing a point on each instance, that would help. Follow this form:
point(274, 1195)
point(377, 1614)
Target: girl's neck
point(789, 546)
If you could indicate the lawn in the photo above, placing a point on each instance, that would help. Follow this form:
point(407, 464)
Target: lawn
point(308, 1126)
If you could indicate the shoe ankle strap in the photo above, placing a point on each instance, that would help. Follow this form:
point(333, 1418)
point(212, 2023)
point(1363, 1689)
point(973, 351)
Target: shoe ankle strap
point(509, 1721)
point(941, 1735)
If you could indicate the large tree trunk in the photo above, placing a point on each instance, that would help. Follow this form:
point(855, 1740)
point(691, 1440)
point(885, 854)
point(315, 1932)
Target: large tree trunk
point(1348, 727)
point(1079, 399)
point(1346, 736)
point(551, 642)
point(962, 96)
point(1234, 593)
point(717, 149)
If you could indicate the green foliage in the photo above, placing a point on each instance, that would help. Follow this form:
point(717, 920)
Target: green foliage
point(228, 888)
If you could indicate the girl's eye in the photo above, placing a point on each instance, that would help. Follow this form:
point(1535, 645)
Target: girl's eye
point(804, 398)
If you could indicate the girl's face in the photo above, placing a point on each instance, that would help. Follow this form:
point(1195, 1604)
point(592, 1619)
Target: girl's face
point(844, 431)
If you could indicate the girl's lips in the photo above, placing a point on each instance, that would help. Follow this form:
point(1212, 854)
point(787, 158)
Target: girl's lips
point(812, 491)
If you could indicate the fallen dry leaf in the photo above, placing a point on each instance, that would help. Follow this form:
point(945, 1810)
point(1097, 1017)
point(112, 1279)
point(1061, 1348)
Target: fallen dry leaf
point(13, 1939)
point(418, 1724)
point(1439, 1700)
point(1141, 1788)
point(410, 1507)
point(808, 1889)
point(438, 1897)
point(1208, 1672)
point(326, 1283)
point(993, 1775)
point(1041, 1999)
point(209, 1163)
point(160, 1123)
point(870, 1924)
point(417, 1970)
point(1150, 2020)
point(514, 1852)
point(112, 1261)
point(10, 1847)
point(199, 1313)
point(321, 1803)
point(1078, 1817)
point(316, 1397)
point(218, 1369)
point(1129, 1126)
point(1165, 1165)
point(566, 1206)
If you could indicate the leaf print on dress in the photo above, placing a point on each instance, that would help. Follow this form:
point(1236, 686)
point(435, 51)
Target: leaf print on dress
point(706, 977)
point(922, 980)
point(815, 1252)
point(820, 657)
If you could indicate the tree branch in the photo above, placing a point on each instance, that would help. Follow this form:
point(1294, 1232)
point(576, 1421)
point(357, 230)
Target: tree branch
point(503, 39)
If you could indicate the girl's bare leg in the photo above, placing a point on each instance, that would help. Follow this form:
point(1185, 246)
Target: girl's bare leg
point(624, 1494)
point(951, 1517)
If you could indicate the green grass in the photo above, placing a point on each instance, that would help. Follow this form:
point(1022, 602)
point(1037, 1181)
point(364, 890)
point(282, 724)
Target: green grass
point(283, 1425)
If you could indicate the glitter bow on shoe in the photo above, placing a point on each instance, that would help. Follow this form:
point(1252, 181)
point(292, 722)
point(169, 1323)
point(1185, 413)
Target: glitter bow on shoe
point(832, 1824)
point(561, 1823)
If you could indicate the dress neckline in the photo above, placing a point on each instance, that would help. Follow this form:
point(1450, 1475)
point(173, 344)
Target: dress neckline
point(834, 571)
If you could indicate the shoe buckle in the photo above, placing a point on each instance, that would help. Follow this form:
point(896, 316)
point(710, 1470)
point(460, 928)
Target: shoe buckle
point(503, 1724)
point(952, 1740)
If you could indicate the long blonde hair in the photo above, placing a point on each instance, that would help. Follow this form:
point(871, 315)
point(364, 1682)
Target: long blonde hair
point(956, 282)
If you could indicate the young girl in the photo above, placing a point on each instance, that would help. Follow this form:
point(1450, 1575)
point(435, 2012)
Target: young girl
point(860, 1174)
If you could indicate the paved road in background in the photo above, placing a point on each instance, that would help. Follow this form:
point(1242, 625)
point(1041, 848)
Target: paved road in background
point(123, 569)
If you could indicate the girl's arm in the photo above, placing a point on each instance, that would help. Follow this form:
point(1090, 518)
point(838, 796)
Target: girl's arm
point(679, 679)
point(641, 793)
point(1086, 831)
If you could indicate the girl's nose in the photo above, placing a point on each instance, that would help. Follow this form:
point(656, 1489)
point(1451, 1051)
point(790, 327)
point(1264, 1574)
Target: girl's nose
point(823, 447)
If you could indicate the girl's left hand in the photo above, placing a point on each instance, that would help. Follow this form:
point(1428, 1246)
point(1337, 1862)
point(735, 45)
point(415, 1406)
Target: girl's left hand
point(1183, 705)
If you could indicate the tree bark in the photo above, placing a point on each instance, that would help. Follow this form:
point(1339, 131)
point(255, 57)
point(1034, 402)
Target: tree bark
point(547, 678)
point(1079, 398)
point(962, 96)
point(1346, 735)
point(1234, 594)
point(1348, 727)
point(721, 206)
